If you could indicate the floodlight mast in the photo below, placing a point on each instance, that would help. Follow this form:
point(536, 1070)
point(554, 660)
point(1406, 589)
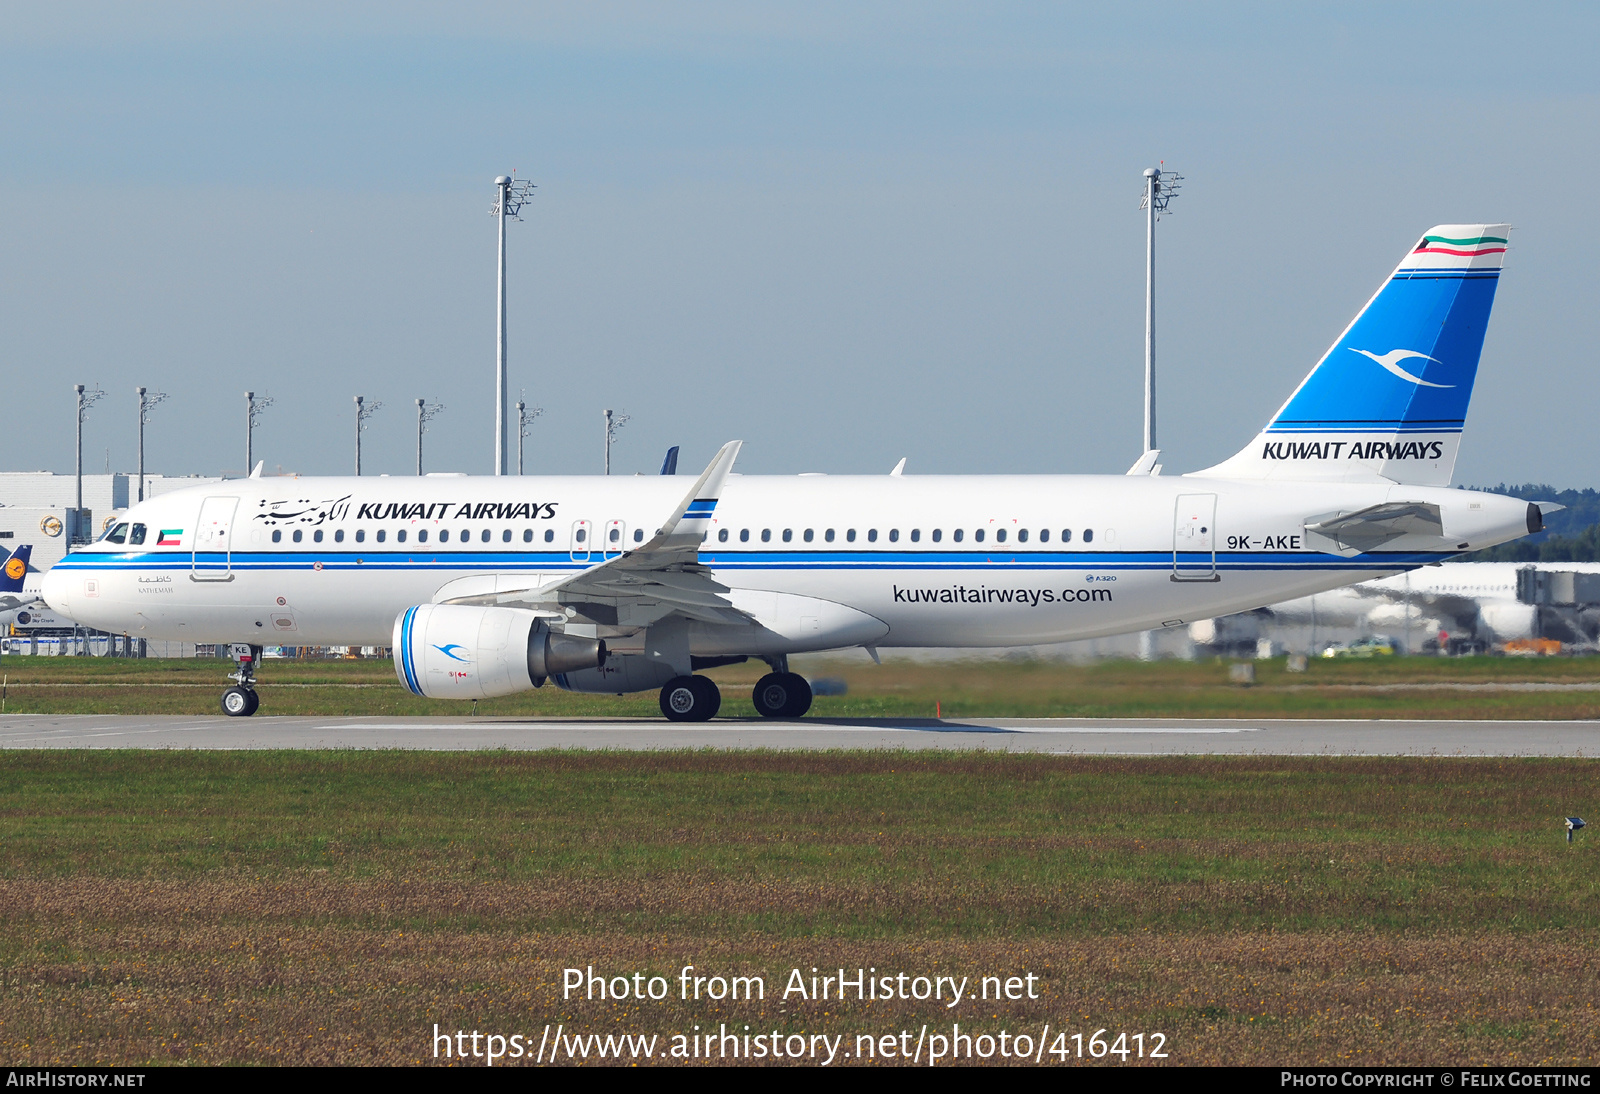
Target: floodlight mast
point(364, 410)
point(511, 194)
point(426, 412)
point(525, 417)
point(86, 399)
point(613, 423)
point(252, 418)
point(147, 400)
point(1159, 189)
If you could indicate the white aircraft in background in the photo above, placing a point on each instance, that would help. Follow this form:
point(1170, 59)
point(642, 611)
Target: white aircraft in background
point(1468, 600)
point(489, 586)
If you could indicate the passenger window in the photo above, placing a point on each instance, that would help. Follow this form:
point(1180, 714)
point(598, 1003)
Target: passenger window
point(828, 535)
point(505, 536)
point(549, 535)
point(638, 535)
point(766, 535)
point(957, 534)
point(916, 535)
point(136, 536)
point(1066, 535)
point(872, 535)
point(744, 535)
point(583, 533)
point(338, 535)
point(1088, 535)
point(894, 535)
point(850, 536)
point(1044, 535)
point(527, 535)
point(1022, 536)
point(938, 534)
point(317, 535)
point(809, 535)
point(788, 535)
point(422, 535)
point(484, 535)
point(382, 535)
point(444, 535)
point(277, 535)
point(119, 534)
point(1000, 536)
point(399, 537)
point(298, 535)
point(977, 535)
point(361, 536)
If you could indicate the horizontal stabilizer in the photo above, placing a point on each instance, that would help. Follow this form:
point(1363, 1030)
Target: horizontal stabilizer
point(1368, 529)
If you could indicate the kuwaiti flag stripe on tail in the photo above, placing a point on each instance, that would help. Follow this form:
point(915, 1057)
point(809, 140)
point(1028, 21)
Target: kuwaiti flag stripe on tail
point(700, 507)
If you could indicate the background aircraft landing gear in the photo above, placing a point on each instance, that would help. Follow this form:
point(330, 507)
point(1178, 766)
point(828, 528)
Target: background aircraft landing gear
point(690, 699)
point(782, 695)
point(242, 701)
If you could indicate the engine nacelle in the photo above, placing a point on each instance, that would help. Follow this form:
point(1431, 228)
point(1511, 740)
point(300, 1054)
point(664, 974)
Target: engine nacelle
point(458, 651)
point(620, 673)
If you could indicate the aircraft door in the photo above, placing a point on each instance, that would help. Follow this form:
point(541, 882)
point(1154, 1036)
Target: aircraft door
point(582, 535)
point(1194, 538)
point(616, 538)
point(212, 546)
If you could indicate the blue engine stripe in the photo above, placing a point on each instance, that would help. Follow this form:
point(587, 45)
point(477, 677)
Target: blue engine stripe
point(406, 659)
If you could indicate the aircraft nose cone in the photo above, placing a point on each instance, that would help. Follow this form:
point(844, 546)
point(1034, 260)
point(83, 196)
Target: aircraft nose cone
point(55, 588)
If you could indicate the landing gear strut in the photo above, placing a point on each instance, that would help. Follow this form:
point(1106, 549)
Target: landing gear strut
point(242, 701)
point(690, 699)
point(782, 695)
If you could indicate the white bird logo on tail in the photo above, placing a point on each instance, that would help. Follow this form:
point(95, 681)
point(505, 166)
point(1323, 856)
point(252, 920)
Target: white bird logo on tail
point(1391, 362)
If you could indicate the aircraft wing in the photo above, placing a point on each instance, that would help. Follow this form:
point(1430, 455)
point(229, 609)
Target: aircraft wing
point(659, 578)
point(1367, 529)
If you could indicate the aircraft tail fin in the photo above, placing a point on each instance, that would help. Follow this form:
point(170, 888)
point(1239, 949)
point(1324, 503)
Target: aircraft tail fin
point(1389, 399)
point(15, 571)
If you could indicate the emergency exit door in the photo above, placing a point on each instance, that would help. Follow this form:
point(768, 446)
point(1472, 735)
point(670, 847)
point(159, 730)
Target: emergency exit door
point(1194, 538)
point(212, 546)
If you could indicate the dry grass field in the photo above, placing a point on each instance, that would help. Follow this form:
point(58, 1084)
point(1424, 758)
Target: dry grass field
point(1419, 687)
point(333, 907)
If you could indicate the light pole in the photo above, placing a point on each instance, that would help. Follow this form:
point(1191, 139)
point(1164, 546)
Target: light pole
point(146, 402)
point(613, 423)
point(511, 195)
point(525, 417)
point(364, 410)
point(252, 418)
point(426, 412)
point(1159, 189)
point(86, 399)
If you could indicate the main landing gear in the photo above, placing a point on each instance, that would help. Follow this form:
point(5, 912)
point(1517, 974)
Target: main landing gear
point(242, 701)
point(782, 695)
point(690, 699)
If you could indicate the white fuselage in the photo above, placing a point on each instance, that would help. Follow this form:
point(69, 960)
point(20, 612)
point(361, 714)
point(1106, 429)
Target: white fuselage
point(823, 561)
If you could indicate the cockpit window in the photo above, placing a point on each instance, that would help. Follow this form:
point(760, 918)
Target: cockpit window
point(119, 534)
point(136, 536)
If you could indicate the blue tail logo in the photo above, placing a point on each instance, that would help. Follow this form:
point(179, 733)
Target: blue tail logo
point(16, 569)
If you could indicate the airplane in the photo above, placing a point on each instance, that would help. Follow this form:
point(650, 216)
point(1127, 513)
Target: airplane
point(487, 586)
point(1487, 601)
point(14, 592)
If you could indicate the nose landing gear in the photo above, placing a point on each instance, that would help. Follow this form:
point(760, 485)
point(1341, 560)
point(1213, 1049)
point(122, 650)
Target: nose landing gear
point(242, 701)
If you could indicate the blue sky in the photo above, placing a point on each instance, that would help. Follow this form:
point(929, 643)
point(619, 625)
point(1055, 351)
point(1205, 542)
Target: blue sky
point(845, 233)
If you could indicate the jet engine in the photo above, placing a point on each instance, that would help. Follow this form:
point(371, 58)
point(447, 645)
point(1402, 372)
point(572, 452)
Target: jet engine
point(458, 651)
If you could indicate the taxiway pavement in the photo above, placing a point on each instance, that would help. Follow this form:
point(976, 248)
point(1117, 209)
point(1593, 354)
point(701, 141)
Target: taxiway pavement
point(1145, 736)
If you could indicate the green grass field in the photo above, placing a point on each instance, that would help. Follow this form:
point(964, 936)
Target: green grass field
point(1418, 687)
point(331, 907)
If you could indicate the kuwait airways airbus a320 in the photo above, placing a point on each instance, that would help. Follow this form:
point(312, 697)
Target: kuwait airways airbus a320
point(489, 586)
